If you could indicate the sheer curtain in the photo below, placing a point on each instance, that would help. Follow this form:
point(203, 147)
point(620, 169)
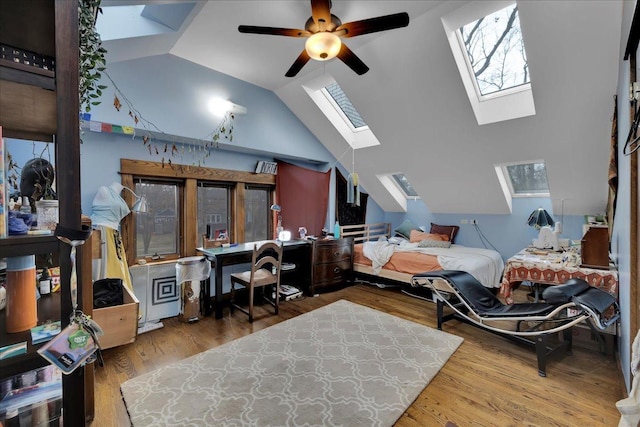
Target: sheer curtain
point(303, 195)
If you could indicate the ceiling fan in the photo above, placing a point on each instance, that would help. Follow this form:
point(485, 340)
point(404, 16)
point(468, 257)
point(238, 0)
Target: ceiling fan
point(324, 31)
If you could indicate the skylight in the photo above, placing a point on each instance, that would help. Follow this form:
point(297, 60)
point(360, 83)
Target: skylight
point(334, 103)
point(495, 51)
point(121, 20)
point(405, 185)
point(344, 104)
point(528, 179)
point(489, 49)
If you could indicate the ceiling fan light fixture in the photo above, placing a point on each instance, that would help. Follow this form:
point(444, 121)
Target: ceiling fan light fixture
point(323, 46)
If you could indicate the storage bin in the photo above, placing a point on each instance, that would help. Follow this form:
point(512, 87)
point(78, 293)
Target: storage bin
point(120, 322)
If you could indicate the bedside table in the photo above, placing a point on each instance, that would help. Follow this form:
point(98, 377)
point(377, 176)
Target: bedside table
point(331, 264)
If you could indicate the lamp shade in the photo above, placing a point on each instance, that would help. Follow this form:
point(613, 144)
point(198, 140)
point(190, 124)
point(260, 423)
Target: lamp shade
point(540, 218)
point(323, 46)
point(140, 205)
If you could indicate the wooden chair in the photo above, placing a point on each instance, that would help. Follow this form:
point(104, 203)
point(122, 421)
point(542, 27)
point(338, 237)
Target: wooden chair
point(265, 271)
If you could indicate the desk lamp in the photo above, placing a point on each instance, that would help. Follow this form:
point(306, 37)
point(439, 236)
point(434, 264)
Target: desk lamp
point(140, 205)
point(280, 233)
point(547, 238)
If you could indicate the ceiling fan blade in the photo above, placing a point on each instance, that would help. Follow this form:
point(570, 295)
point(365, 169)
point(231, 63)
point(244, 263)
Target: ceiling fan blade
point(298, 64)
point(321, 13)
point(289, 32)
point(347, 56)
point(373, 25)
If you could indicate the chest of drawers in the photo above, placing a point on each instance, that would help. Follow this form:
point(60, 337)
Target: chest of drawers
point(331, 264)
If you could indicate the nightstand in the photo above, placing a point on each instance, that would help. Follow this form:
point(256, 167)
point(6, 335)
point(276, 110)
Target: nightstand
point(331, 264)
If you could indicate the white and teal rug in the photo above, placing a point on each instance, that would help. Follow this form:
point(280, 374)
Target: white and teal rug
point(339, 365)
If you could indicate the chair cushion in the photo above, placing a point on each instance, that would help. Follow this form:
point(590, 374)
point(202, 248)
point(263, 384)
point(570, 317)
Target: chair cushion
point(262, 277)
point(562, 293)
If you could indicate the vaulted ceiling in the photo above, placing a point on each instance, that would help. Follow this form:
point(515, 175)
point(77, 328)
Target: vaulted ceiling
point(413, 98)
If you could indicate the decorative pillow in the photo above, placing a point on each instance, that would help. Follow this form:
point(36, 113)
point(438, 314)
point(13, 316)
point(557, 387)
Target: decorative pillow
point(447, 230)
point(405, 228)
point(418, 236)
point(434, 244)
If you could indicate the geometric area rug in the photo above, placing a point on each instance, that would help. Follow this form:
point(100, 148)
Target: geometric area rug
point(342, 364)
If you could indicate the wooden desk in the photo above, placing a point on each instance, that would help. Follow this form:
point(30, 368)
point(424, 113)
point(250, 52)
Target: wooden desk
point(295, 251)
point(550, 269)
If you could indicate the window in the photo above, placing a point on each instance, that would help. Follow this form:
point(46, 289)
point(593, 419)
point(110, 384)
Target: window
point(527, 179)
point(157, 231)
point(257, 213)
point(344, 105)
point(405, 185)
point(489, 49)
point(213, 209)
point(399, 188)
point(183, 200)
point(495, 51)
point(340, 111)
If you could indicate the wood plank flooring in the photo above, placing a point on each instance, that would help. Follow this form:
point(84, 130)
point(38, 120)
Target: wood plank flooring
point(489, 381)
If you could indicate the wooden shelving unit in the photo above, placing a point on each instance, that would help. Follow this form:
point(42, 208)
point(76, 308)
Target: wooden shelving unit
point(36, 105)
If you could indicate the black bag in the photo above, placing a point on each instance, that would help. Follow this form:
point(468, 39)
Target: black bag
point(107, 293)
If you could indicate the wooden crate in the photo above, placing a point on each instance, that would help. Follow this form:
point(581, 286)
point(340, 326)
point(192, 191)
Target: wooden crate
point(120, 322)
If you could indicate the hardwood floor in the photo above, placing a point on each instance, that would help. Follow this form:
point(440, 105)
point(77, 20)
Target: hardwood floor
point(489, 381)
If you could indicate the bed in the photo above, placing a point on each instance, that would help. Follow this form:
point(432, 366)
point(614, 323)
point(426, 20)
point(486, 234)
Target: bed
point(382, 255)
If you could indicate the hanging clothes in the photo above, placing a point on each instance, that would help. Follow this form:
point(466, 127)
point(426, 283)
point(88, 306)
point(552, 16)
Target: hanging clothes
point(353, 189)
point(108, 210)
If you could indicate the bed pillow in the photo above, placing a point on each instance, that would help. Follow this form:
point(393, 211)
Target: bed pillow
point(427, 243)
point(405, 228)
point(418, 236)
point(447, 230)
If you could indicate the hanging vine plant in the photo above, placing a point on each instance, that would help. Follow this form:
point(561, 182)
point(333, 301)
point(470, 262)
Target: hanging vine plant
point(92, 54)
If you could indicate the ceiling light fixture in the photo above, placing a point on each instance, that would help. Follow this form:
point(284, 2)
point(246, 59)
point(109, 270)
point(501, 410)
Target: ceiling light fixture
point(323, 46)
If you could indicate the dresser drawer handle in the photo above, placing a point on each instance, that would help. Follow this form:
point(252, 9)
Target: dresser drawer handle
point(336, 254)
point(336, 270)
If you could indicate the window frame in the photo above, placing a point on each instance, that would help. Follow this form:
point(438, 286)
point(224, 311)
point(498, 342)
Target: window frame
point(190, 176)
point(496, 107)
point(504, 171)
point(474, 79)
point(179, 212)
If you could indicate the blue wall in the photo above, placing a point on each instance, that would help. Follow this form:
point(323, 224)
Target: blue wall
point(508, 234)
point(172, 94)
point(620, 240)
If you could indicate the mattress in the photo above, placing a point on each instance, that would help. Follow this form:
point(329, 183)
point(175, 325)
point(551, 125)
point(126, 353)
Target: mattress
point(406, 260)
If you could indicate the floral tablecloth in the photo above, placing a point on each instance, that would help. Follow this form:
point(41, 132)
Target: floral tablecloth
point(552, 268)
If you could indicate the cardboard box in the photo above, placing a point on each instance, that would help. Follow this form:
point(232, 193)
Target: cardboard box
point(120, 322)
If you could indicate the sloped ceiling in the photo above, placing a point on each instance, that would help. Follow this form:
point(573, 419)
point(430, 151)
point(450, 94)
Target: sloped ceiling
point(413, 99)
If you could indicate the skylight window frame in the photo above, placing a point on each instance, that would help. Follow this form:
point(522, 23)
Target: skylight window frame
point(402, 188)
point(502, 92)
point(497, 106)
point(505, 179)
point(341, 112)
point(356, 138)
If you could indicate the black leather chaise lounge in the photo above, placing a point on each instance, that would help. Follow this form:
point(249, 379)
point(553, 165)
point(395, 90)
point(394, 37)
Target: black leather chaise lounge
point(565, 306)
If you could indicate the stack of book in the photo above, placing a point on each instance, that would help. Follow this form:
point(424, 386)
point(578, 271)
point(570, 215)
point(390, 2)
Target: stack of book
point(288, 292)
